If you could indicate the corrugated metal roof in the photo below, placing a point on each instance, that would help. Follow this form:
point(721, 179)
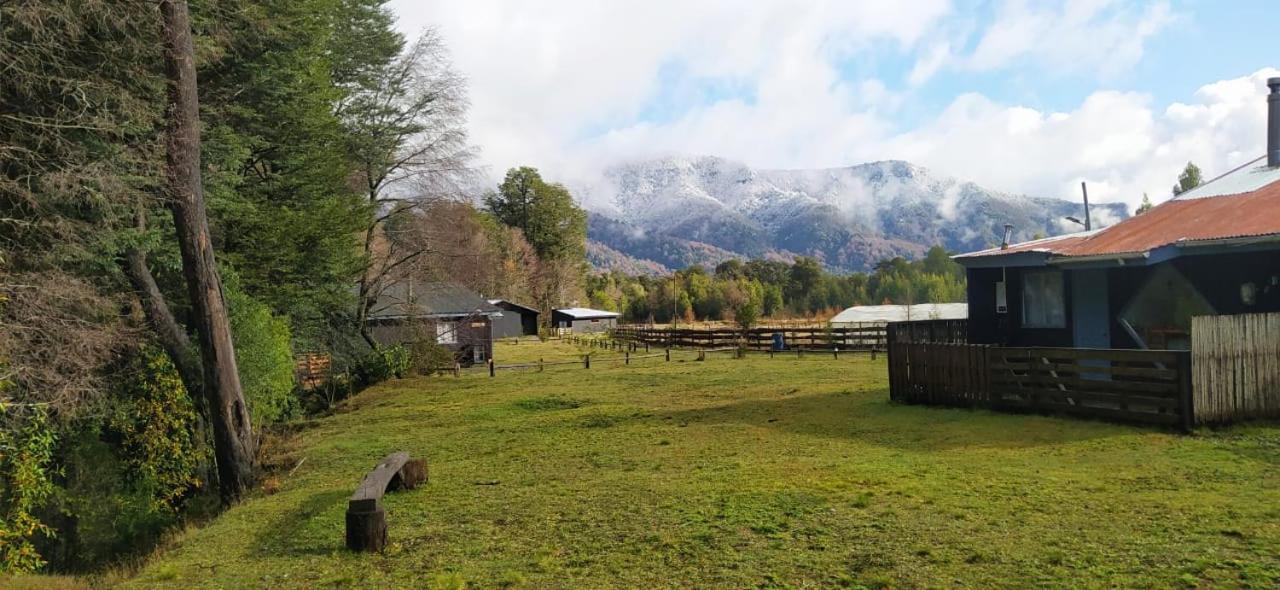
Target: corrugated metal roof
point(1243, 203)
point(1245, 179)
point(860, 314)
point(584, 313)
point(1046, 245)
point(415, 299)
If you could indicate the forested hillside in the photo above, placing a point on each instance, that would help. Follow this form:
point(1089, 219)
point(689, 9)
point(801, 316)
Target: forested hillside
point(748, 291)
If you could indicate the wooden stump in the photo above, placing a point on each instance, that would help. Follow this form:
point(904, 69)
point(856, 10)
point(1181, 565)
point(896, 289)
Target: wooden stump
point(367, 529)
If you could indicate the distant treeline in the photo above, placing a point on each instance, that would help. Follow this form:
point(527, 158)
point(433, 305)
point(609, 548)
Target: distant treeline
point(746, 291)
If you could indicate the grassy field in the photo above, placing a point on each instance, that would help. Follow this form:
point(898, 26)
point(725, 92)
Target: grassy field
point(744, 473)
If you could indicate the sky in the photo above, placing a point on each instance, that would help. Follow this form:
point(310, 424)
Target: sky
point(1024, 97)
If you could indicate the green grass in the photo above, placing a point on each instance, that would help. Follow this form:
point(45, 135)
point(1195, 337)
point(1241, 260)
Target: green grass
point(761, 472)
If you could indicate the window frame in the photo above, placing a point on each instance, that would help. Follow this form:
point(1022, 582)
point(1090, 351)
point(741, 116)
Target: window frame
point(1027, 277)
point(446, 332)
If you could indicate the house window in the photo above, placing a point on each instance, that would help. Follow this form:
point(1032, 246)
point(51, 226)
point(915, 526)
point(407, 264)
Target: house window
point(1042, 300)
point(595, 321)
point(446, 332)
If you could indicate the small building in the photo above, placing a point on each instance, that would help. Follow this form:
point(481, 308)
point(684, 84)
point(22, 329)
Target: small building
point(580, 320)
point(516, 321)
point(447, 314)
point(1212, 250)
point(861, 315)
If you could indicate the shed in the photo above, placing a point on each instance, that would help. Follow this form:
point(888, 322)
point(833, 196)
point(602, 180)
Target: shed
point(447, 314)
point(517, 320)
point(581, 320)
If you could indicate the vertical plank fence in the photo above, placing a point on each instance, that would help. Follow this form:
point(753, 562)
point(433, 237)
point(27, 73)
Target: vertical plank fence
point(1236, 361)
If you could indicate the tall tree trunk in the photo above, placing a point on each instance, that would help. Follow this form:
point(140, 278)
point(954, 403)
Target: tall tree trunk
point(234, 445)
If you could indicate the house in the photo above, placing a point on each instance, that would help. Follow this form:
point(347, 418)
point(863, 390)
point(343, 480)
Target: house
point(1213, 250)
point(880, 314)
point(580, 320)
point(517, 320)
point(448, 314)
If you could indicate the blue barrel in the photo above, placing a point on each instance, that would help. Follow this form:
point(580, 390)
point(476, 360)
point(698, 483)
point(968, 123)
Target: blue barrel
point(778, 342)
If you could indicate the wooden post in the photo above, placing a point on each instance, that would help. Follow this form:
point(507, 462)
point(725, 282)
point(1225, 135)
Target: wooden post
point(492, 369)
point(835, 353)
point(540, 368)
point(873, 353)
point(628, 357)
point(586, 361)
point(668, 355)
point(366, 527)
point(702, 355)
point(1186, 400)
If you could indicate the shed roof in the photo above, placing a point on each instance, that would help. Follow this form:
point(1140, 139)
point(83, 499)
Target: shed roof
point(901, 313)
point(584, 313)
point(501, 302)
point(1240, 206)
point(429, 300)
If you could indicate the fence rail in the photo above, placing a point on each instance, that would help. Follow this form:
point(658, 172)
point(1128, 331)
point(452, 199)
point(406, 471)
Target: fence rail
point(868, 337)
point(1143, 386)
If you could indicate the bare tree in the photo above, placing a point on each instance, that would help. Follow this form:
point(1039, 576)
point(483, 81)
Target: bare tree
point(234, 445)
point(405, 123)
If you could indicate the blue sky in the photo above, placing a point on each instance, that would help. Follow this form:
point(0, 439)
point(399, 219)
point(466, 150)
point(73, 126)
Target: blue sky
point(1017, 95)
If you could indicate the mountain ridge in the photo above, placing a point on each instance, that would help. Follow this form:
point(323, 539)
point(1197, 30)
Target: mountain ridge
point(681, 210)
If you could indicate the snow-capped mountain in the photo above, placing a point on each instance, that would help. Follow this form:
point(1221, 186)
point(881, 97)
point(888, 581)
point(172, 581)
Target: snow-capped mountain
point(676, 211)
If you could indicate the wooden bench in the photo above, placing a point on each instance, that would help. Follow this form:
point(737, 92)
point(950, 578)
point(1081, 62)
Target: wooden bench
point(366, 518)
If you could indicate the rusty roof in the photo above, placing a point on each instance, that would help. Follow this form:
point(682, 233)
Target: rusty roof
point(1212, 212)
point(1045, 245)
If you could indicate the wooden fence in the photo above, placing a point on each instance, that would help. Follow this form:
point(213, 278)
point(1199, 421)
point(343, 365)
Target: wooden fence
point(1152, 386)
point(1145, 386)
point(938, 331)
point(312, 369)
point(1236, 361)
point(868, 337)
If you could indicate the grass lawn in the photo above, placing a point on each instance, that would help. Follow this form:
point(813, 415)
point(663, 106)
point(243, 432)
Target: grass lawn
point(744, 473)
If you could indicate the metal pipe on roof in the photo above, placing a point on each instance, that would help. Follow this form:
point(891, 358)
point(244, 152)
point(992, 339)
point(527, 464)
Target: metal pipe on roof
point(1273, 123)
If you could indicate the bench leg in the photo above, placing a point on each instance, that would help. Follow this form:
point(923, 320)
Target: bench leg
point(412, 474)
point(367, 531)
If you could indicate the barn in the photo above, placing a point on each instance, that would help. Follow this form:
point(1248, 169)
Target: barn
point(516, 321)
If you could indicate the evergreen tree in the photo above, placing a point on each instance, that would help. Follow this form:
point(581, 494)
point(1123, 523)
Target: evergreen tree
point(1189, 179)
point(545, 212)
point(1145, 206)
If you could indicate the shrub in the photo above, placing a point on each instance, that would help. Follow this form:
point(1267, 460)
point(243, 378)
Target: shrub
point(263, 356)
point(129, 472)
point(383, 363)
point(154, 426)
point(429, 357)
point(26, 447)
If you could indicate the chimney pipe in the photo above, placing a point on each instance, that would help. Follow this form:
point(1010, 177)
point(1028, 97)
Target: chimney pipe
point(1008, 234)
point(1273, 123)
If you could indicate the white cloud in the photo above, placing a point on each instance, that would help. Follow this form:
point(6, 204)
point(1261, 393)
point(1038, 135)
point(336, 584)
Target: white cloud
point(1106, 36)
point(1119, 142)
point(560, 85)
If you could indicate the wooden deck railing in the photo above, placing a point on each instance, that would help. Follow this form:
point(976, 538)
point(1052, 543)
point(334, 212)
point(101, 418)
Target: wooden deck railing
point(1145, 386)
